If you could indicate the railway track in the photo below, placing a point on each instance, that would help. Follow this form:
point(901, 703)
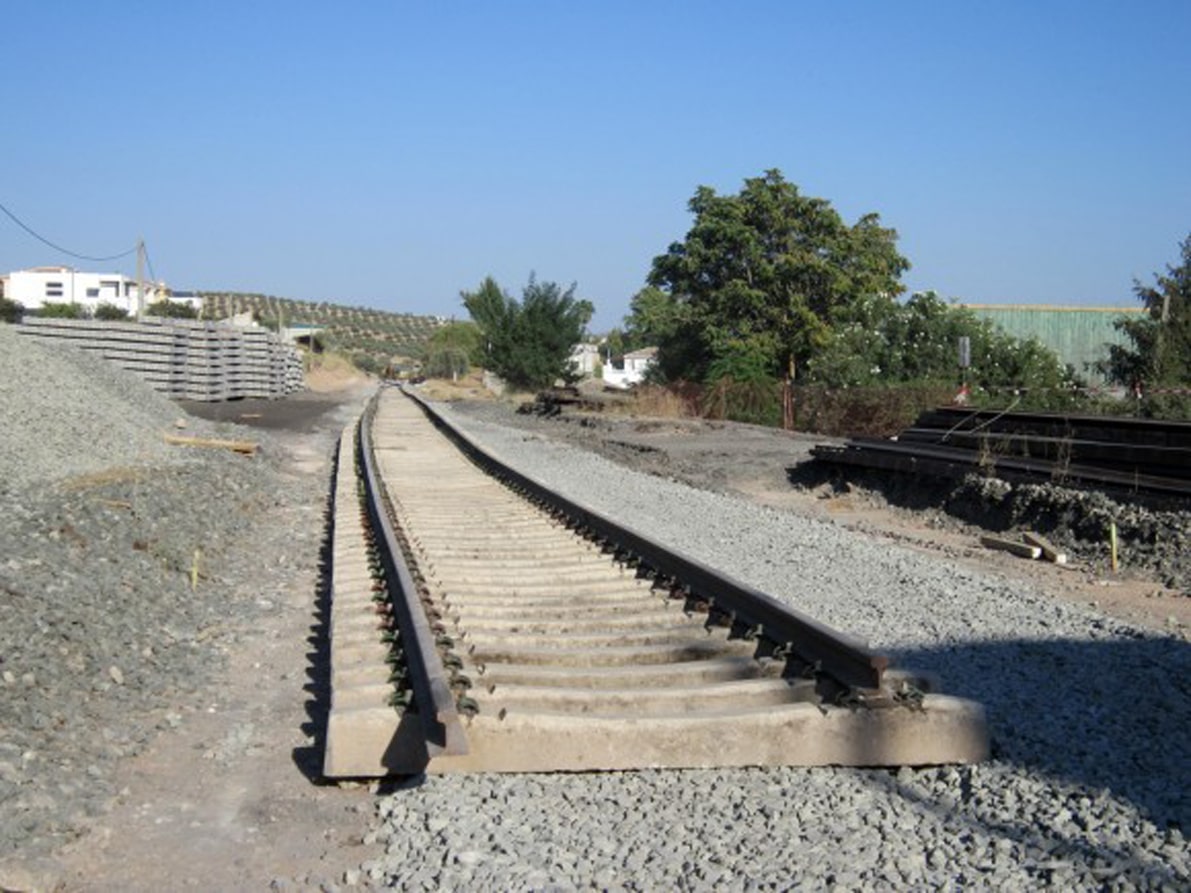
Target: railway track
point(481, 623)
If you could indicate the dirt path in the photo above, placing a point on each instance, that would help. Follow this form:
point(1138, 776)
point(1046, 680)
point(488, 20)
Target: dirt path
point(227, 797)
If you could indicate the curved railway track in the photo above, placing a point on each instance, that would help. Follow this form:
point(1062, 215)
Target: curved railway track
point(480, 622)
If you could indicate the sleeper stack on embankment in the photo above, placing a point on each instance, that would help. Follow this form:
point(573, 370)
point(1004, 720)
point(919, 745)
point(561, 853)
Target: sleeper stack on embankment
point(184, 359)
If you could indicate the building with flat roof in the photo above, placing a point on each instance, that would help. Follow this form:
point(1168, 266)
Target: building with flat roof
point(64, 285)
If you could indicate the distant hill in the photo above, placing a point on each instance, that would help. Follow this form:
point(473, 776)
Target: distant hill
point(371, 337)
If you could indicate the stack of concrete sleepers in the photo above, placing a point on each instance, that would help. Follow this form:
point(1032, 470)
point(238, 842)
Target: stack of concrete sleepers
point(185, 359)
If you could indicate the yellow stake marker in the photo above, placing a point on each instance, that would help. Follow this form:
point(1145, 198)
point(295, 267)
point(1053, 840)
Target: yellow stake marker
point(1112, 544)
point(194, 569)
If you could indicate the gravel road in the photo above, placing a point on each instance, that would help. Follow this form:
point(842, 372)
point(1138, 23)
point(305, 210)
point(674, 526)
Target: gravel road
point(110, 650)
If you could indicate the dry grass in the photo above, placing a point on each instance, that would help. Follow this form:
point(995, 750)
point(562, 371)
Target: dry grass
point(329, 372)
point(662, 403)
point(468, 387)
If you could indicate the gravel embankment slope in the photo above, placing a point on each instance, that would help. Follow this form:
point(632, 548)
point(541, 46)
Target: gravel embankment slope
point(1087, 789)
point(103, 640)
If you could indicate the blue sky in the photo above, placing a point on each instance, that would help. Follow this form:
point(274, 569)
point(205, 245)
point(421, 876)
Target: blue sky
point(391, 154)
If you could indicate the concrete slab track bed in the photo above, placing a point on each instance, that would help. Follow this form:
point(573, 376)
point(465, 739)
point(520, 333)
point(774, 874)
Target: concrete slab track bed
point(499, 635)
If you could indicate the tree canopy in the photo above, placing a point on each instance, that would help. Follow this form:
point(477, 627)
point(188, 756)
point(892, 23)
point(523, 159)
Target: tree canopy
point(528, 342)
point(1161, 340)
point(761, 278)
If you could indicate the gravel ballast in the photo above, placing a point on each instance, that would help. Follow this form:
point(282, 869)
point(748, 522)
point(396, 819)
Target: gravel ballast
point(105, 644)
point(127, 568)
point(1087, 788)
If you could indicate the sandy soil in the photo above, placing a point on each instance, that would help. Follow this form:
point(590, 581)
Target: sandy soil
point(230, 799)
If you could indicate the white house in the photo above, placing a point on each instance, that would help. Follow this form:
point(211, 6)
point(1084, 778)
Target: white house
point(584, 359)
point(636, 364)
point(64, 285)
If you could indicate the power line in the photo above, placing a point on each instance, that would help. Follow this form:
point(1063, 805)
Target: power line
point(42, 238)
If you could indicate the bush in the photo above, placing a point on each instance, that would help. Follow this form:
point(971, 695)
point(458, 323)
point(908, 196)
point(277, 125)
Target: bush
point(881, 342)
point(171, 310)
point(110, 312)
point(366, 362)
point(446, 362)
point(757, 401)
point(867, 412)
point(1174, 407)
point(11, 311)
point(836, 412)
point(52, 310)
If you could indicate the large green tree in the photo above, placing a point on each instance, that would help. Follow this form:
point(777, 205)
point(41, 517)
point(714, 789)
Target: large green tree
point(1161, 340)
point(762, 277)
point(528, 342)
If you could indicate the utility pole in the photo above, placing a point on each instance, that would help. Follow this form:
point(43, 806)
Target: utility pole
point(140, 279)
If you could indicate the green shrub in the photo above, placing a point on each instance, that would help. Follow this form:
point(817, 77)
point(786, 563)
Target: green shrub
point(10, 310)
point(54, 310)
point(756, 401)
point(869, 412)
point(446, 362)
point(171, 310)
point(110, 312)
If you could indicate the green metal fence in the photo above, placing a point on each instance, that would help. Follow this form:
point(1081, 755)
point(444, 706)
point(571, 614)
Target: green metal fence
point(1079, 335)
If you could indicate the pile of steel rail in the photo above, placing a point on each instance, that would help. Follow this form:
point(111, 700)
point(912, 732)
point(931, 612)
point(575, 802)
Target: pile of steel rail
point(1105, 452)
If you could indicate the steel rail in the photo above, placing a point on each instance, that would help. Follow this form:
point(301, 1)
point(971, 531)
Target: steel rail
point(1112, 429)
point(1162, 461)
point(956, 462)
point(433, 699)
point(844, 658)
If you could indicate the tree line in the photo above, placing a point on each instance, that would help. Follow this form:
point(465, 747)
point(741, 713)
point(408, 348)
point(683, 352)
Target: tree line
point(773, 287)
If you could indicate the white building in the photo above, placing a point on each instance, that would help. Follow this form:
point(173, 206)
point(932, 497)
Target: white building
point(636, 364)
point(63, 285)
point(584, 359)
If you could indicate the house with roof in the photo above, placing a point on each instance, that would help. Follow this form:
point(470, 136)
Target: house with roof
point(636, 364)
